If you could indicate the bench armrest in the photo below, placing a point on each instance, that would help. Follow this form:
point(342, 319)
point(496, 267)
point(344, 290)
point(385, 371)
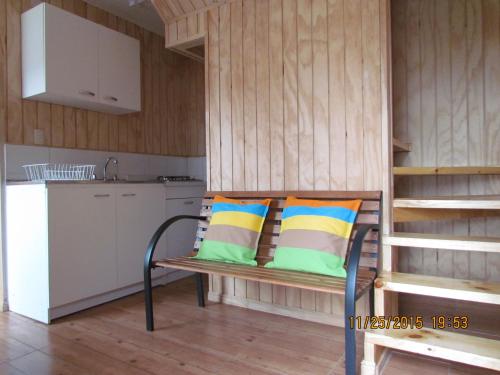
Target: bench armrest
point(354, 258)
point(148, 257)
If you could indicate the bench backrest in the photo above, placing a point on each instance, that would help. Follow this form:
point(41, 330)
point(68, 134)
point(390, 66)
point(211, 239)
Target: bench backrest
point(370, 213)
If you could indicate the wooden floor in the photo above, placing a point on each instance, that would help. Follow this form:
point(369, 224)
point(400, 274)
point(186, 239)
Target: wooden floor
point(220, 339)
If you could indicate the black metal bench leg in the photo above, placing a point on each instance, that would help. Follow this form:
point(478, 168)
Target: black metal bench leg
point(350, 335)
point(148, 296)
point(199, 289)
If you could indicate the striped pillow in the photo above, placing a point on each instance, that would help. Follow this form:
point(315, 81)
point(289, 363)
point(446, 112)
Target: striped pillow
point(315, 235)
point(234, 231)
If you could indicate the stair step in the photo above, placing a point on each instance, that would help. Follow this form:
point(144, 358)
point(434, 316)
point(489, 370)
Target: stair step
point(473, 202)
point(457, 347)
point(440, 241)
point(467, 290)
point(445, 171)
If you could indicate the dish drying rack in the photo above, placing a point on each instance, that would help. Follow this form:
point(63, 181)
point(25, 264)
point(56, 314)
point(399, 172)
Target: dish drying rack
point(59, 172)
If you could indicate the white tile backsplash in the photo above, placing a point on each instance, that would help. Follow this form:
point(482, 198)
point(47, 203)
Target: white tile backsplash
point(17, 155)
point(130, 165)
point(197, 167)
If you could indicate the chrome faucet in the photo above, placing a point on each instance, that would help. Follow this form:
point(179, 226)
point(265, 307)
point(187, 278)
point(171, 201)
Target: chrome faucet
point(115, 162)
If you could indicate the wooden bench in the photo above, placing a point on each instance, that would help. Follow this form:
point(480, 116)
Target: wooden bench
point(361, 259)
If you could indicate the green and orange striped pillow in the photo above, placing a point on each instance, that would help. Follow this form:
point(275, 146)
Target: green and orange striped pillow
point(315, 235)
point(234, 231)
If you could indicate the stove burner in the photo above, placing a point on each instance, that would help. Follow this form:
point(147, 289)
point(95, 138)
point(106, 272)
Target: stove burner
point(175, 178)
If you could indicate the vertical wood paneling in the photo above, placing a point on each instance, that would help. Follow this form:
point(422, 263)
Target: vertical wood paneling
point(57, 126)
point(276, 93)
point(312, 110)
point(156, 48)
point(320, 96)
point(238, 127)
point(354, 94)
point(14, 104)
point(225, 97)
point(476, 141)
point(459, 121)
point(75, 128)
point(290, 89)
point(249, 94)
point(414, 113)
point(337, 106)
point(263, 104)
point(213, 92)
point(305, 101)
point(450, 88)
point(429, 134)
point(491, 30)
point(69, 127)
point(81, 128)
point(372, 129)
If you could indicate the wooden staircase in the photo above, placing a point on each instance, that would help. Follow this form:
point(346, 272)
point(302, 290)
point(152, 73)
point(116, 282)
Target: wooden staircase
point(440, 341)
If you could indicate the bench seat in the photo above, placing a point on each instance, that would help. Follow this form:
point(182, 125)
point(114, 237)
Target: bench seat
point(303, 280)
point(361, 258)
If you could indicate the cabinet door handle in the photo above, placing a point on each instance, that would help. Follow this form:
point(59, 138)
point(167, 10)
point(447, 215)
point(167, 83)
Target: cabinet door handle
point(188, 202)
point(101, 195)
point(86, 92)
point(128, 195)
point(112, 98)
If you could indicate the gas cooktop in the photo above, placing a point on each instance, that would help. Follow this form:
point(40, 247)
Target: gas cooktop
point(175, 178)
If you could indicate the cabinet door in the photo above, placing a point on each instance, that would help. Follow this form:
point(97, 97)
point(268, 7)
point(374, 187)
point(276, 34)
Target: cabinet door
point(181, 237)
point(82, 247)
point(140, 211)
point(119, 70)
point(71, 56)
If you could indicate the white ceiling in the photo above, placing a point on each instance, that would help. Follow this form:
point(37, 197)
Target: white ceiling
point(142, 14)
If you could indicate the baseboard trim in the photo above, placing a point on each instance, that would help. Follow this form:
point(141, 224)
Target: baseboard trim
point(291, 312)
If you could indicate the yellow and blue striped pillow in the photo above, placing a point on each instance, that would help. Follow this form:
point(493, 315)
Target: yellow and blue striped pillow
point(315, 235)
point(234, 231)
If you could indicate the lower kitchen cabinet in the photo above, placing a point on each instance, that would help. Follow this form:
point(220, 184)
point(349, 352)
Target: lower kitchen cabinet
point(73, 246)
point(82, 242)
point(139, 212)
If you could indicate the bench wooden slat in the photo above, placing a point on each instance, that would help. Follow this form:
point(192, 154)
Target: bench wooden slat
point(312, 194)
point(302, 280)
point(363, 218)
point(279, 205)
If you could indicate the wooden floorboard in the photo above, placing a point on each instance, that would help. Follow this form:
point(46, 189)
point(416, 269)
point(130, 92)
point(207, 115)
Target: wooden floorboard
point(220, 339)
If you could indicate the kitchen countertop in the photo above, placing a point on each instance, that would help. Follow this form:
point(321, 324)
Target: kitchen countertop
point(102, 182)
point(81, 182)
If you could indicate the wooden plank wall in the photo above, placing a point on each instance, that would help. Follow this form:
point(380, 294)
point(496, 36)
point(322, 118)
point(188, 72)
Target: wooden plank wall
point(446, 75)
point(172, 119)
point(185, 29)
point(295, 101)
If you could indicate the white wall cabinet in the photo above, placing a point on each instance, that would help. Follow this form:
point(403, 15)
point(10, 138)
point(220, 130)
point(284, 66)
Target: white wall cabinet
point(119, 70)
point(72, 61)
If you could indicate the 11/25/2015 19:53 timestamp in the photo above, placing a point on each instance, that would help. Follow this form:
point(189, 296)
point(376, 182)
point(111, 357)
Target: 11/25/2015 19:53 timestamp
point(405, 322)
